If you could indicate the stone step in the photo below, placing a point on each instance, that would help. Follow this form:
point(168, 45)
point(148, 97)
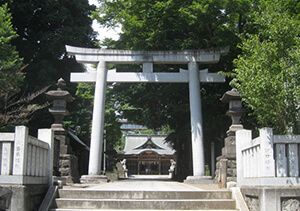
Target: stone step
point(58, 209)
point(171, 204)
point(104, 194)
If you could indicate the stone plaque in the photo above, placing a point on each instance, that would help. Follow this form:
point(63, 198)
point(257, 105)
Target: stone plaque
point(281, 160)
point(293, 160)
point(6, 166)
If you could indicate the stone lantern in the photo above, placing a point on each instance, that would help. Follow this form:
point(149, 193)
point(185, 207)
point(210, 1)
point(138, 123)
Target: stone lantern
point(65, 163)
point(235, 110)
point(60, 98)
point(226, 163)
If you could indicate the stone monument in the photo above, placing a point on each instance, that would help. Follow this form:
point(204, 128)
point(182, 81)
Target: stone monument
point(65, 163)
point(226, 163)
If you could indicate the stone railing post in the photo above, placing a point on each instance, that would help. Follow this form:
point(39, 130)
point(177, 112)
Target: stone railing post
point(47, 136)
point(242, 138)
point(267, 154)
point(20, 151)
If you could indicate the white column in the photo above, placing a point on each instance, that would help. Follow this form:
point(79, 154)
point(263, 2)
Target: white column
point(20, 151)
point(96, 146)
point(243, 138)
point(267, 154)
point(47, 135)
point(196, 120)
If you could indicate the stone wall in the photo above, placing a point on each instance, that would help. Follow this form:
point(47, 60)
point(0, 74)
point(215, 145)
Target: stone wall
point(21, 197)
point(272, 198)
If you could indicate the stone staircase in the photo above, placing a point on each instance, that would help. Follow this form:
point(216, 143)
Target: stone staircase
point(89, 199)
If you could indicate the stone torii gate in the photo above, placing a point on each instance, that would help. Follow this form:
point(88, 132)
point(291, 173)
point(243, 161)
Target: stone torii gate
point(102, 75)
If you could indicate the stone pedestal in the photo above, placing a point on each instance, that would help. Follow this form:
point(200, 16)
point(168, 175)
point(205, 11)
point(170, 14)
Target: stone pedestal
point(64, 142)
point(199, 180)
point(68, 168)
point(226, 163)
point(93, 179)
point(67, 162)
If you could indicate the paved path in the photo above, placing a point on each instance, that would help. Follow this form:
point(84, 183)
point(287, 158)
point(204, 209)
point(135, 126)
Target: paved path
point(138, 185)
point(146, 183)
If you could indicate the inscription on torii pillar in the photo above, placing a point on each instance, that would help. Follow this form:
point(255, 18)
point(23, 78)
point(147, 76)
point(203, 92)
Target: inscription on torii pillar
point(102, 75)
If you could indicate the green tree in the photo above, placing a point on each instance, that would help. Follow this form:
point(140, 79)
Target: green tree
point(10, 63)
point(44, 28)
point(267, 72)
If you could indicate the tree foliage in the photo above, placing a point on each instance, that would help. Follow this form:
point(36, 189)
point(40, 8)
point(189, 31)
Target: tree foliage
point(174, 24)
point(267, 72)
point(14, 108)
point(10, 62)
point(44, 28)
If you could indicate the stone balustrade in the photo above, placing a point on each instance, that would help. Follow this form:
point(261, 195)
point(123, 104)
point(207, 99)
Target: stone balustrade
point(268, 160)
point(25, 159)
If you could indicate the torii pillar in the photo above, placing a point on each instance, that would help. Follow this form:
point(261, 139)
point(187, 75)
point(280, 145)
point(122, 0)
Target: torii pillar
point(196, 120)
point(147, 58)
point(96, 146)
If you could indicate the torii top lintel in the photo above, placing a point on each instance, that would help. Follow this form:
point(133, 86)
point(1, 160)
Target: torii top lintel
point(94, 55)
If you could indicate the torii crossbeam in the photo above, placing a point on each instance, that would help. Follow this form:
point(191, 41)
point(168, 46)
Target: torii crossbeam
point(147, 58)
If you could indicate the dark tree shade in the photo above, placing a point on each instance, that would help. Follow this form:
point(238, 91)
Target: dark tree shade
point(44, 28)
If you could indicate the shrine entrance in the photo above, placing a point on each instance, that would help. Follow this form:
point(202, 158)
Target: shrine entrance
point(147, 59)
point(147, 154)
point(148, 162)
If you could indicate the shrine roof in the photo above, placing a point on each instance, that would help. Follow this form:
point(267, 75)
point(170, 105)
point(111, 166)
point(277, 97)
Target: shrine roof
point(136, 144)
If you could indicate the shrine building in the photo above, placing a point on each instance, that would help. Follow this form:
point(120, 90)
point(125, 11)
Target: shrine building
point(147, 154)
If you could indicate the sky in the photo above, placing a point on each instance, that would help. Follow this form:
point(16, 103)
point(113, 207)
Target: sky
point(104, 32)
